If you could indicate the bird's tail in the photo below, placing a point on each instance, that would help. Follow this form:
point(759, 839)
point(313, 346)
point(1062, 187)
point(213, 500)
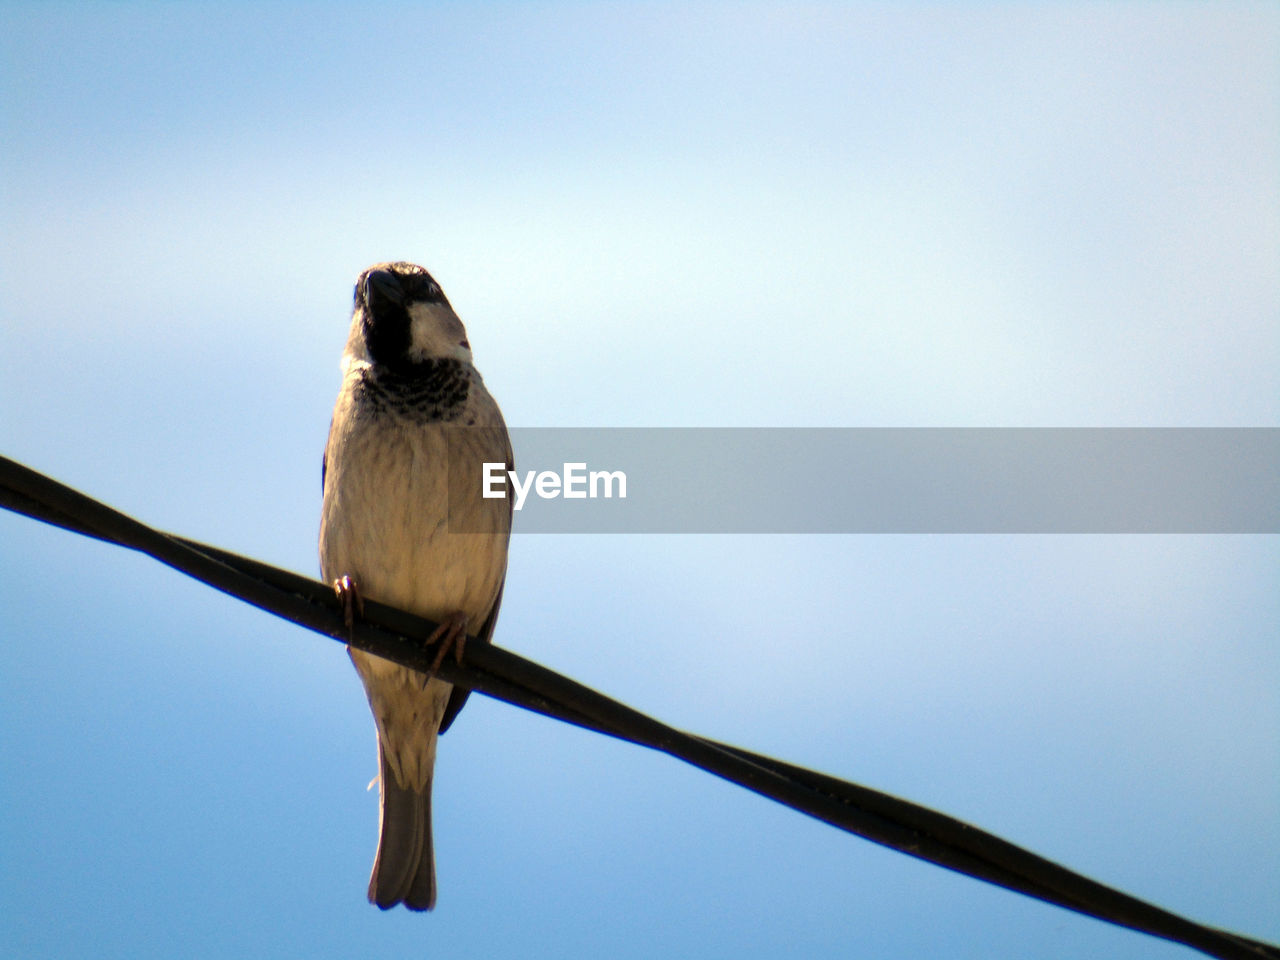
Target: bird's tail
point(405, 868)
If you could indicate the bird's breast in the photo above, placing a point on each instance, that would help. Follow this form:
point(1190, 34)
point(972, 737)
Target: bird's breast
point(388, 521)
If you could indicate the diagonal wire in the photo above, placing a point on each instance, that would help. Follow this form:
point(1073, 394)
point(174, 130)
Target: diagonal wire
point(397, 635)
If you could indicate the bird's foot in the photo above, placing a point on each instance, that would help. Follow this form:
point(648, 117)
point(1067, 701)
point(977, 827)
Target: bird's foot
point(451, 635)
point(350, 600)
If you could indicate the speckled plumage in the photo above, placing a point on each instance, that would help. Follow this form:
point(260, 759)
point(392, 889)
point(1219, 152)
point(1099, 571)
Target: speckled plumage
point(412, 408)
point(435, 391)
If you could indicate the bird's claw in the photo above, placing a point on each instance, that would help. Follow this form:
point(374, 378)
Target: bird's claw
point(451, 635)
point(350, 600)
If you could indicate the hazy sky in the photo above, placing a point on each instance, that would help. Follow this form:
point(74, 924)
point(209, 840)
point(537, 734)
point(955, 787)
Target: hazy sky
point(647, 215)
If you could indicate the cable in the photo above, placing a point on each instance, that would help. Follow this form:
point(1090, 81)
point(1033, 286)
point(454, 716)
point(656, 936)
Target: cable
point(397, 635)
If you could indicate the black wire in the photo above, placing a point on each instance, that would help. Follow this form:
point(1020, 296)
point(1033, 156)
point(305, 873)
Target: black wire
point(397, 635)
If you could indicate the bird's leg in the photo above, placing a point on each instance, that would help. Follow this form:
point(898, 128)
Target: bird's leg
point(451, 635)
point(350, 600)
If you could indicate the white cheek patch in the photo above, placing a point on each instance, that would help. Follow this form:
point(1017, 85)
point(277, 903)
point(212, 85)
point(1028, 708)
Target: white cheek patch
point(424, 328)
point(354, 364)
point(436, 331)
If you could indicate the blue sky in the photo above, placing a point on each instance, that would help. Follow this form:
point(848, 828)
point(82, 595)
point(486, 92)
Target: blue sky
point(647, 215)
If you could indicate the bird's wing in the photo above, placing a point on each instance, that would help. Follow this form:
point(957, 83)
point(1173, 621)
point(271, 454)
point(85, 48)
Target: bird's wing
point(459, 695)
point(485, 634)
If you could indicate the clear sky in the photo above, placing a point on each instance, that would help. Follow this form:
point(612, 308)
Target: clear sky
point(648, 215)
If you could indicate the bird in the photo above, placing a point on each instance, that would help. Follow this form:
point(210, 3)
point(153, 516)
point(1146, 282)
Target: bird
point(403, 522)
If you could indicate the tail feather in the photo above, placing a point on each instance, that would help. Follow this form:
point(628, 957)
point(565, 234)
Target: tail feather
point(404, 871)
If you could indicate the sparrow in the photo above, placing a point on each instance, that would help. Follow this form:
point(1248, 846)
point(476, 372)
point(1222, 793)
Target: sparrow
point(403, 522)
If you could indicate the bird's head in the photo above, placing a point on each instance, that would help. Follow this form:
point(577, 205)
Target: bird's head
point(402, 318)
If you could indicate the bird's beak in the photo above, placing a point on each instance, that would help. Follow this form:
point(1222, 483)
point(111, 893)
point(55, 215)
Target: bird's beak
point(385, 285)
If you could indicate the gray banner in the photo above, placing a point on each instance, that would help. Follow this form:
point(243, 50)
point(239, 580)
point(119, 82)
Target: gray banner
point(674, 480)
